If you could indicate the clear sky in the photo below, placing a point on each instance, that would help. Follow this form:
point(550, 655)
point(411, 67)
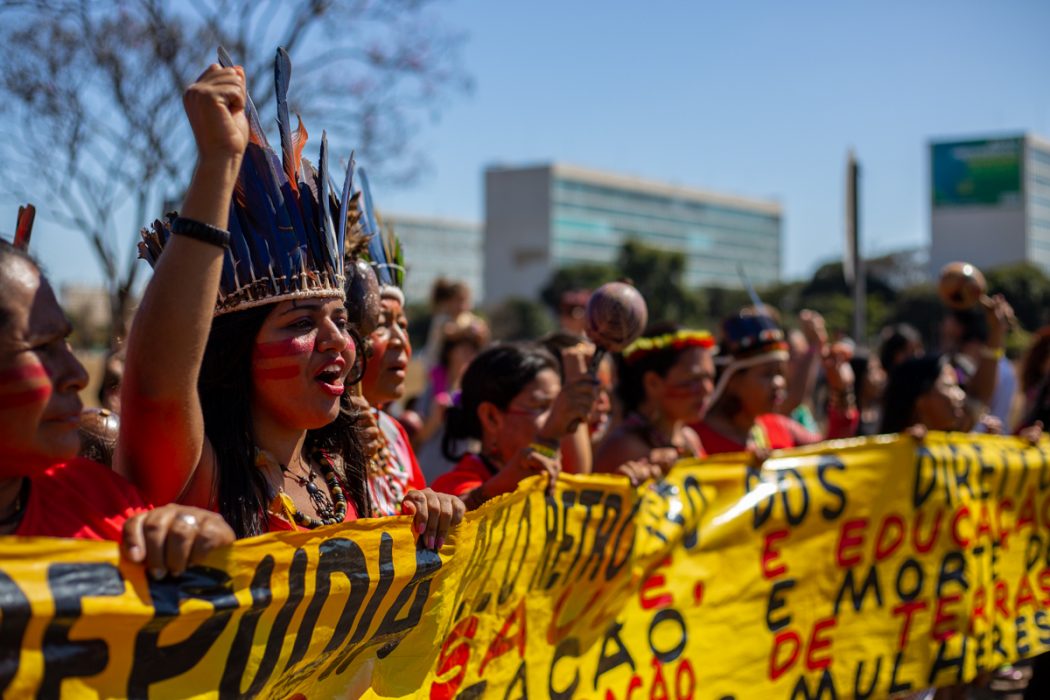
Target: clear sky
point(759, 99)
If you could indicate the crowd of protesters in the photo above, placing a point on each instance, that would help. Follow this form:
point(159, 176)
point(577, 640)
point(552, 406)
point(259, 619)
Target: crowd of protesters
point(243, 405)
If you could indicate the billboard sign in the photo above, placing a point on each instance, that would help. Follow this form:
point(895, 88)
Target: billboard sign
point(985, 172)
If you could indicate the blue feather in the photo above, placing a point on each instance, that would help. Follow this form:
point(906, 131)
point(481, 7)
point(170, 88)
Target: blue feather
point(282, 237)
point(254, 125)
point(344, 202)
point(376, 252)
point(328, 228)
point(282, 74)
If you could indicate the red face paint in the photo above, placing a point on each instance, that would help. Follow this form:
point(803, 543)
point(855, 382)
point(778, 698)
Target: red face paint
point(24, 386)
point(299, 345)
point(270, 361)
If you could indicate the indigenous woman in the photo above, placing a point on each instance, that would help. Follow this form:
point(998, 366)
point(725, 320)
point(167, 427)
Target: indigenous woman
point(664, 379)
point(45, 489)
point(514, 405)
point(752, 385)
point(240, 352)
point(395, 482)
point(924, 391)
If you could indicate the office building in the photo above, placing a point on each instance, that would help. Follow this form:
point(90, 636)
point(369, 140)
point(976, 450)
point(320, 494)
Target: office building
point(990, 201)
point(435, 248)
point(538, 219)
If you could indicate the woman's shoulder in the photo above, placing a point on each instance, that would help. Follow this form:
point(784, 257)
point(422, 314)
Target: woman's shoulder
point(80, 499)
point(467, 474)
point(87, 477)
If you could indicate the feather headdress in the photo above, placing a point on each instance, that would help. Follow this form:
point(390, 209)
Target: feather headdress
point(384, 250)
point(283, 241)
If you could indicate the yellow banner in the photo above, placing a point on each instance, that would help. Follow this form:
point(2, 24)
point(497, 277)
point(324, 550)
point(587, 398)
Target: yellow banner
point(851, 569)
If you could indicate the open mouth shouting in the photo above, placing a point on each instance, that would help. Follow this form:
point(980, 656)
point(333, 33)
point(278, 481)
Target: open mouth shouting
point(331, 376)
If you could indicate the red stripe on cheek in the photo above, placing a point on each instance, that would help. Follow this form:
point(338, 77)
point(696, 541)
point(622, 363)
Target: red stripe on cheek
point(300, 345)
point(280, 372)
point(18, 374)
point(27, 397)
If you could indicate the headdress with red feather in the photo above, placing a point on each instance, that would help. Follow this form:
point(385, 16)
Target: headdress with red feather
point(283, 242)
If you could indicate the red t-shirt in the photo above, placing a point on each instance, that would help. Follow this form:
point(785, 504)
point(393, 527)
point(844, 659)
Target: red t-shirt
point(468, 474)
point(780, 432)
point(80, 499)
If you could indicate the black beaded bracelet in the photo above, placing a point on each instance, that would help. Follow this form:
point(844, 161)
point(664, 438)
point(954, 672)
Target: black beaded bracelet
point(201, 232)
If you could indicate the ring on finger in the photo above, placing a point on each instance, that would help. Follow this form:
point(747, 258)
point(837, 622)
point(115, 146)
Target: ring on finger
point(190, 519)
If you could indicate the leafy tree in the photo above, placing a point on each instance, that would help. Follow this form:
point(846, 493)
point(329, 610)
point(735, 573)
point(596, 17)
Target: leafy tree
point(1027, 288)
point(572, 277)
point(519, 319)
point(920, 307)
point(658, 275)
point(829, 279)
point(723, 302)
point(91, 93)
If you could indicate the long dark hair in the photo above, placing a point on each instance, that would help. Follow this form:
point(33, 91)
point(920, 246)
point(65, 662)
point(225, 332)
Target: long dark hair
point(908, 381)
point(225, 390)
point(1035, 359)
point(497, 375)
point(630, 387)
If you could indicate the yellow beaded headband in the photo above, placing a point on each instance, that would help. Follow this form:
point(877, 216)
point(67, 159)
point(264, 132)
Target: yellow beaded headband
point(643, 347)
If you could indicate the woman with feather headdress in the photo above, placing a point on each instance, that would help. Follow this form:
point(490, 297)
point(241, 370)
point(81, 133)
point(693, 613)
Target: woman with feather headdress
point(241, 352)
point(376, 272)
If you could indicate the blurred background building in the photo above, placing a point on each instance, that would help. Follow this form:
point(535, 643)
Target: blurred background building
point(990, 201)
point(540, 218)
point(438, 247)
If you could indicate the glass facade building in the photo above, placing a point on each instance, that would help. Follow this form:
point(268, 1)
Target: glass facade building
point(434, 248)
point(990, 201)
point(1038, 183)
point(556, 215)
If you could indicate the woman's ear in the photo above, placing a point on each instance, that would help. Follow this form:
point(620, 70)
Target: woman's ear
point(653, 383)
point(490, 417)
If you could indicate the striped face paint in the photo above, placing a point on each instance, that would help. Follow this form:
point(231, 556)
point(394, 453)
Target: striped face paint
point(281, 360)
point(24, 386)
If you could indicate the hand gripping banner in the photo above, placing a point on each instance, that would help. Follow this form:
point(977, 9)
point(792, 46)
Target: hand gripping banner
point(853, 569)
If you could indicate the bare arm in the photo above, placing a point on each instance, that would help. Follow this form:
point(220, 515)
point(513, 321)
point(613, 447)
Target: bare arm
point(804, 372)
point(162, 427)
point(998, 314)
point(576, 454)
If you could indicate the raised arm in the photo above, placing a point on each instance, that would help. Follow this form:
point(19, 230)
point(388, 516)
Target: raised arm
point(161, 446)
point(999, 315)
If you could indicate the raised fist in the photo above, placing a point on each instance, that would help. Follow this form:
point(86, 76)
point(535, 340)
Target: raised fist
point(215, 107)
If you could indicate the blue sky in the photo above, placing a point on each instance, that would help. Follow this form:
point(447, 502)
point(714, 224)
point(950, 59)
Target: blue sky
point(753, 98)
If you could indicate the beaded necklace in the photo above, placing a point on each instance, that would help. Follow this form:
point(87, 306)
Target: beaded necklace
point(332, 510)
